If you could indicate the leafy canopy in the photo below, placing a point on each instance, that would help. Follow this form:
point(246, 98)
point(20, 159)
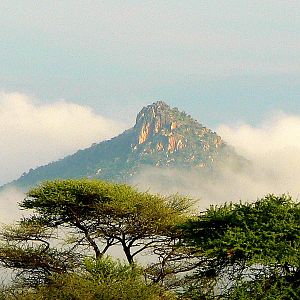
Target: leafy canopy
point(250, 247)
point(71, 218)
point(266, 231)
point(102, 279)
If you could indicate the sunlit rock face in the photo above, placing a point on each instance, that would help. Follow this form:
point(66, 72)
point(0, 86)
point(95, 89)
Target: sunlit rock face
point(159, 120)
point(162, 137)
point(167, 136)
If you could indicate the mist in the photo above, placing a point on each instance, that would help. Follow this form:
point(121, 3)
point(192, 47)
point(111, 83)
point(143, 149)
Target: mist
point(273, 150)
point(9, 210)
point(33, 134)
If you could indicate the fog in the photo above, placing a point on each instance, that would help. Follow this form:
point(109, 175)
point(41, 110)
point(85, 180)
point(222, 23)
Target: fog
point(9, 211)
point(272, 147)
point(33, 134)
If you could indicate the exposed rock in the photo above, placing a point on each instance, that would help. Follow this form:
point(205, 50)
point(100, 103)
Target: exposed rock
point(180, 145)
point(160, 146)
point(173, 125)
point(172, 144)
point(144, 133)
point(161, 137)
point(157, 125)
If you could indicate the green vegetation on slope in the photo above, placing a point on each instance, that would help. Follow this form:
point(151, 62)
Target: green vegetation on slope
point(162, 137)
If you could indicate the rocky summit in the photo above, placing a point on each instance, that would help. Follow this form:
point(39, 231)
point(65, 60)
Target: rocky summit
point(161, 137)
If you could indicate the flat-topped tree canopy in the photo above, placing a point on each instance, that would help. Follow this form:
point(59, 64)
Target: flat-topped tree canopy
point(106, 214)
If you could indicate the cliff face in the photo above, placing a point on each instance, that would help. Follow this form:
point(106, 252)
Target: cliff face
point(167, 137)
point(158, 120)
point(161, 137)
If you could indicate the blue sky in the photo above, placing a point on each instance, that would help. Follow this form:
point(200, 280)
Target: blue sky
point(218, 60)
point(85, 68)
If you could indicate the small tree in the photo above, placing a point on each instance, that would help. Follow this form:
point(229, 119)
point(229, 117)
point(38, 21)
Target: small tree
point(93, 214)
point(27, 249)
point(99, 279)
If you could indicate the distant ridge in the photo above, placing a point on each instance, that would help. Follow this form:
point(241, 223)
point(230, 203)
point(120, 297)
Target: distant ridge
point(161, 137)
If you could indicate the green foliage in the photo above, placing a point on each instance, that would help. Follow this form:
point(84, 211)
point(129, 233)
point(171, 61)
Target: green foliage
point(62, 201)
point(102, 279)
point(269, 288)
point(234, 251)
point(106, 212)
point(247, 245)
point(26, 249)
point(266, 231)
point(89, 215)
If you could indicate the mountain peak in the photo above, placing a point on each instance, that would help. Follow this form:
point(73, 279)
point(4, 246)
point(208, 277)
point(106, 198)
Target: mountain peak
point(153, 119)
point(160, 104)
point(153, 110)
point(160, 119)
point(162, 137)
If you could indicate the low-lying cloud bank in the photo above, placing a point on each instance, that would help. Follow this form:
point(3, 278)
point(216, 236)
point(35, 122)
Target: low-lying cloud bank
point(273, 148)
point(34, 134)
point(9, 210)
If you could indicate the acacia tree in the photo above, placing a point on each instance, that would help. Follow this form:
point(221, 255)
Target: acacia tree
point(93, 214)
point(252, 250)
point(26, 249)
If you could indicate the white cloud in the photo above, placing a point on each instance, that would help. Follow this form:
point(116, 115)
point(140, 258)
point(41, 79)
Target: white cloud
point(273, 149)
point(280, 133)
point(33, 134)
point(9, 211)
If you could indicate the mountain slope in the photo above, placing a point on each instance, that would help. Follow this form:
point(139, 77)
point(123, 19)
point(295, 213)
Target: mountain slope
point(161, 137)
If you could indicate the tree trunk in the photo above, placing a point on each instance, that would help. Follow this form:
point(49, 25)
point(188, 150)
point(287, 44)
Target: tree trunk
point(128, 254)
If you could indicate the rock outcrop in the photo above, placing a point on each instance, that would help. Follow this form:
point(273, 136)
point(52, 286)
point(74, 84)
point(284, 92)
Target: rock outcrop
point(162, 129)
point(161, 137)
